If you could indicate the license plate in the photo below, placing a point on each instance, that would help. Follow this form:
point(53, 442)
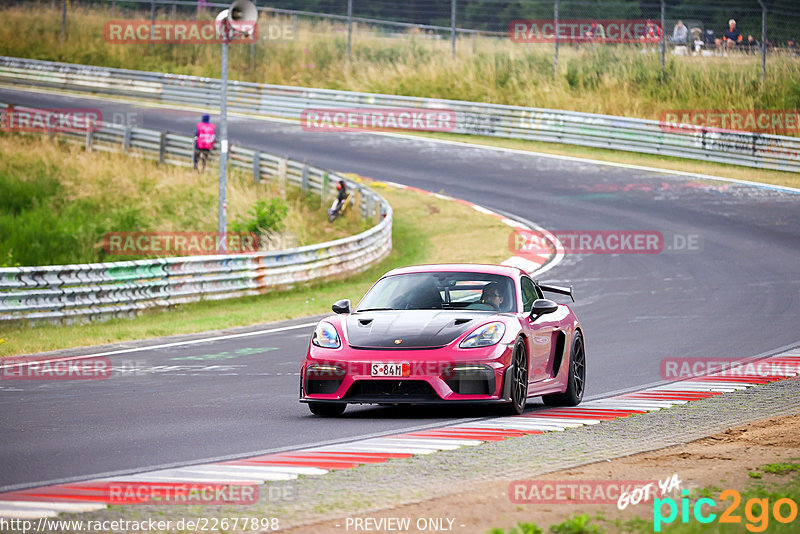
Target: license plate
point(390, 369)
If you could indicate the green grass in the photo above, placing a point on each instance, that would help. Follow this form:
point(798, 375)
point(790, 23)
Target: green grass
point(618, 80)
point(575, 524)
point(38, 225)
point(781, 468)
point(519, 528)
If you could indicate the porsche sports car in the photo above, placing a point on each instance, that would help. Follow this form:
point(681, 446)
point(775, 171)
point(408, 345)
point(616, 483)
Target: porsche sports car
point(447, 334)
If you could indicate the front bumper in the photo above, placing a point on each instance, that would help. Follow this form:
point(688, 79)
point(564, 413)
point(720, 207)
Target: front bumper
point(435, 376)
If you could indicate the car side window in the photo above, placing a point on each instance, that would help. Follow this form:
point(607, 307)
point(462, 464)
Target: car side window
point(529, 293)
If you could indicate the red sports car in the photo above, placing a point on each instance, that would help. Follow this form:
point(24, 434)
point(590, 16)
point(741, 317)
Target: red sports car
point(447, 334)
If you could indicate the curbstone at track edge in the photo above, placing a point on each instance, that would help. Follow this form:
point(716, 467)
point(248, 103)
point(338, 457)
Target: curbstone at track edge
point(533, 264)
point(288, 465)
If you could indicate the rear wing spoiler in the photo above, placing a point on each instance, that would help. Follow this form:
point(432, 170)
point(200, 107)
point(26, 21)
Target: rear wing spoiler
point(557, 289)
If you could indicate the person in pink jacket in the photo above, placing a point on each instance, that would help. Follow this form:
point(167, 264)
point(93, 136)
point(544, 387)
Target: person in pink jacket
point(204, 141)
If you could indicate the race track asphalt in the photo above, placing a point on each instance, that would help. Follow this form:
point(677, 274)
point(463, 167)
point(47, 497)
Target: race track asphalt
point(736, 295)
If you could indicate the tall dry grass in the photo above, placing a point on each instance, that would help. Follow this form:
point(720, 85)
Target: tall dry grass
point(619, 80)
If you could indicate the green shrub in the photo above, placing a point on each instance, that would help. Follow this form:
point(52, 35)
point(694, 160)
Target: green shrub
point(265, 216)
point(578, 524)
point(521, 528)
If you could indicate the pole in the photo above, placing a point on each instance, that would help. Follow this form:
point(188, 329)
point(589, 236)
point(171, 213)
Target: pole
point(349, 26)
point(253, 45)
point(453, 27)
point(555, 56)
point(223, 152)
point(663, 37)
point(763, 41)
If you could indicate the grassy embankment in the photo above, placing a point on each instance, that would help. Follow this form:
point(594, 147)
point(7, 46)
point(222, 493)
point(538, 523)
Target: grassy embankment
point(57, 202)
point(78, 194)
point(616, 80)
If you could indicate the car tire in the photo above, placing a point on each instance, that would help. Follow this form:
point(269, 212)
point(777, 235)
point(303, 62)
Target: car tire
point(519, 384)
point(576, 381)
point(324, 409)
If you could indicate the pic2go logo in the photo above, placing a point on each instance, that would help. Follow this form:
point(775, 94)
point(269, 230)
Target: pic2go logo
point(756, 511)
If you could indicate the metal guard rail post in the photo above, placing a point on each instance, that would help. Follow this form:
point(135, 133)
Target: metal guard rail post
point(514, 122)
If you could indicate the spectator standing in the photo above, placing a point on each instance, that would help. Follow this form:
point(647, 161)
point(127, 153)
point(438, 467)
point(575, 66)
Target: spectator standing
point(205, 134)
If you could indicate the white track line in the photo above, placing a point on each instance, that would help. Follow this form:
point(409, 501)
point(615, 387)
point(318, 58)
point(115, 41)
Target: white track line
point(24, 513)
point(440, 444)
point(402, 449)
point(151, 347)
point(563, 420)
point(60, 506)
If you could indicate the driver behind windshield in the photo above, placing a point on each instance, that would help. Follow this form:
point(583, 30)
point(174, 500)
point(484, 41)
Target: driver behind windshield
point(492, 295)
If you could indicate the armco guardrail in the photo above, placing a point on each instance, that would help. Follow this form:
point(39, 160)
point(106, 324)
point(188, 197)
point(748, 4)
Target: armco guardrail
point(121, 288)
point(586, 129)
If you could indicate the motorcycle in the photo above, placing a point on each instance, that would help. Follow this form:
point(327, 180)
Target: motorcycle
point(339, 208)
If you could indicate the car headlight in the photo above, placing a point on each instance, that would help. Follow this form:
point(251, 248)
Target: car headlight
point(325, 336)
point(321, 369)
point(484, 336)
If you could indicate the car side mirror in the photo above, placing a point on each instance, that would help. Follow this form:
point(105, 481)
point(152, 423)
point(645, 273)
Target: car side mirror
point(341, 306)
point(542, 307)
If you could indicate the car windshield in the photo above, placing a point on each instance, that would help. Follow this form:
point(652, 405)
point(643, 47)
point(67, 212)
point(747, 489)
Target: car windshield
point(441, 290)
